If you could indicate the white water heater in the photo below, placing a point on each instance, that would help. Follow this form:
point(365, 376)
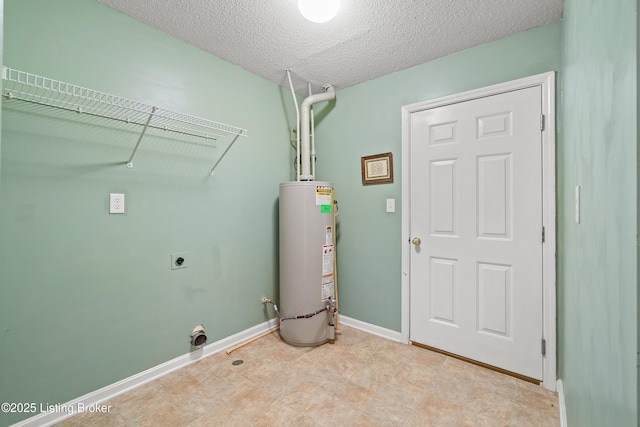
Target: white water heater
point(307, 300)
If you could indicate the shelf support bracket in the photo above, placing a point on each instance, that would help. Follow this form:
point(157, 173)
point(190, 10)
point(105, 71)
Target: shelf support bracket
point(146, 125)
point(223, 154)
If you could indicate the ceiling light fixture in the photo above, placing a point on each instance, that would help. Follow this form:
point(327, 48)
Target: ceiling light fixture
point(319, 11)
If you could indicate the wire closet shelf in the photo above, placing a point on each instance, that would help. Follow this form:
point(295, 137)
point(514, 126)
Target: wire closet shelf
point(36, 89)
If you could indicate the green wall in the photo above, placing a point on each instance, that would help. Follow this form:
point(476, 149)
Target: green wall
point(1, 51)
point(366, 119)
point(88, 298)
point(597, 259)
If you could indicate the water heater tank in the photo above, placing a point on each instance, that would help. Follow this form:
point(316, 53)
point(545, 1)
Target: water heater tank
point(306, 262)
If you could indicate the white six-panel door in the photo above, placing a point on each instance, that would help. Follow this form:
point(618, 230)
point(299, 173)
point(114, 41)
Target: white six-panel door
point(476, 279)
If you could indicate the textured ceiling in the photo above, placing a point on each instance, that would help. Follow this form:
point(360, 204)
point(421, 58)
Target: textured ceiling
point(366, 40)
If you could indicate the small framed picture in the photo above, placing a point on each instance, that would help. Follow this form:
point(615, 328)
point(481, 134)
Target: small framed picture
point(377, 169)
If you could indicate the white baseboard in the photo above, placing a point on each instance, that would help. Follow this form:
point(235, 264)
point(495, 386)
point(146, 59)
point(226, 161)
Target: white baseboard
point(94, 398)
point(370, 328)
point(562, 404)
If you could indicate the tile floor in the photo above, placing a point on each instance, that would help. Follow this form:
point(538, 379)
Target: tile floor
point(361, 380)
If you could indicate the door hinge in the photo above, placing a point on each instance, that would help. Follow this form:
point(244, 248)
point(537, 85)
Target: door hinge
point(542, 122)
point(543, 237)
point(544, 347)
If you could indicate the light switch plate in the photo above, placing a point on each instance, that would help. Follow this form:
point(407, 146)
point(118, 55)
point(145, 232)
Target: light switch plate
point(391, 205)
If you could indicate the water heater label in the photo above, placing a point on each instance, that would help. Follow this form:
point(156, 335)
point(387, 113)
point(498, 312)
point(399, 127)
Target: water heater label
point(327, 259)
point(324, 195)
point(328, 237)
point(327, 273)
point(327, 288)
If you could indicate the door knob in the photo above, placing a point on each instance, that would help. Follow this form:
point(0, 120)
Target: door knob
point(416, 241)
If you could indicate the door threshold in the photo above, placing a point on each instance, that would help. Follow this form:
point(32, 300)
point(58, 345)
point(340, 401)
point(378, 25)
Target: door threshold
point(475, 362)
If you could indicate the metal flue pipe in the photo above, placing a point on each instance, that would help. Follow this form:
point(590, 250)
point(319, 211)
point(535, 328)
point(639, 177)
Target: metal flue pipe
point(329, 94)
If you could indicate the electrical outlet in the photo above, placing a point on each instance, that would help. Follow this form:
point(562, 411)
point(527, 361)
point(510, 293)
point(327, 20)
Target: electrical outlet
point(178, 260)
point(116, 203)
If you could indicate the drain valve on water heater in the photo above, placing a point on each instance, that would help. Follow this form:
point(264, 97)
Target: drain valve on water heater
point(198, 337)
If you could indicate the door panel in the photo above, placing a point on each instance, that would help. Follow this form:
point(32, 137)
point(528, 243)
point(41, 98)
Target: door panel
point(494, 201)
point(444, 209)
point(494, 299)
point(476, 205)
point(443, 291)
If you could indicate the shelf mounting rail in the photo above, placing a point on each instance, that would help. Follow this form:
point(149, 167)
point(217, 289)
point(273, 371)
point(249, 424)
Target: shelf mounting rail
point(36, 89)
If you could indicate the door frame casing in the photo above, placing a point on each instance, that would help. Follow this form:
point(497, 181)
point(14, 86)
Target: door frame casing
point(547, 83)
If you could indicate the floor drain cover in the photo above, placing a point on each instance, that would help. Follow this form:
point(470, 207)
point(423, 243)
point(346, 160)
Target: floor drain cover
point(237, 362)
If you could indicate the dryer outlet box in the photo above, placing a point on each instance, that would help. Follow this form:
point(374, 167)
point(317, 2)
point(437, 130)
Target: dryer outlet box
point(178, 260)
